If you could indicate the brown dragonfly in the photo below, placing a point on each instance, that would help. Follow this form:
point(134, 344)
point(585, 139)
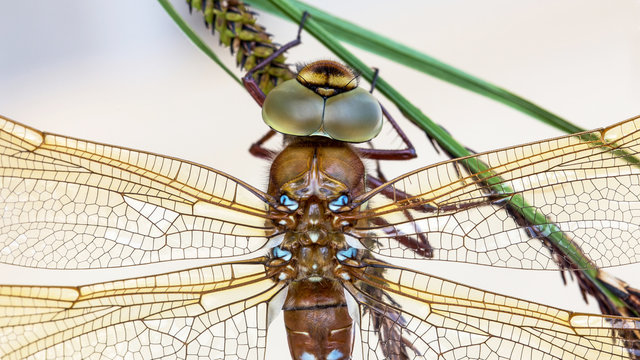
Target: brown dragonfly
point(317, 244)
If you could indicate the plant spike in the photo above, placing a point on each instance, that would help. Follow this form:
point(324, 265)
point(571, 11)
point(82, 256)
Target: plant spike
point(236, 25)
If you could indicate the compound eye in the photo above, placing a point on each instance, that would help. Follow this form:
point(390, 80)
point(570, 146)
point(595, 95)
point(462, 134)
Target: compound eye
point(291, 108)
point(352, 116)
point(289, 203)
point(339, 202)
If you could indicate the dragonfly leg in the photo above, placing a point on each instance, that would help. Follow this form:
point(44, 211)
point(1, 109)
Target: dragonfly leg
point(250, 82)
point(376, 72)
point(418, 244)
point(395, 194)
point(258, 150)
point(389, 327)
point(388, 323)
point(381, 154)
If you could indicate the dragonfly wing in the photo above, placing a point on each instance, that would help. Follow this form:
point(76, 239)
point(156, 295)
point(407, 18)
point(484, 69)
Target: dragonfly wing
point(432, 318)
point(211, 312)
point(586, 187)
point(72, 204)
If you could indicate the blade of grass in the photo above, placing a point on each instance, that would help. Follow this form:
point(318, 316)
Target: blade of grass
point(392, 50)
point(517, 202)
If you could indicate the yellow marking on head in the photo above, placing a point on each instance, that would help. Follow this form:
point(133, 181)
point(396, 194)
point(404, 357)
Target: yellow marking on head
point(326, 91)
point(327, 77)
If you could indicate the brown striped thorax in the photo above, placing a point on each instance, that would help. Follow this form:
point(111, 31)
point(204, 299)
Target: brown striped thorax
point(314, 180)
point(324, 100)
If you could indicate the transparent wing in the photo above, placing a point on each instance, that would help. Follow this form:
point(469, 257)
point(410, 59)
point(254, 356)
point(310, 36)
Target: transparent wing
point(72, 204)
point(586, 187)
point(213, 312)
point(438, 319)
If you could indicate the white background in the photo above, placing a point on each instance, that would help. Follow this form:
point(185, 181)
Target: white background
point(121, 72)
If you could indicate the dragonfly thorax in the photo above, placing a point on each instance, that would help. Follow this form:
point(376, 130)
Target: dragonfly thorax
point(313, 180)
point(309, 175)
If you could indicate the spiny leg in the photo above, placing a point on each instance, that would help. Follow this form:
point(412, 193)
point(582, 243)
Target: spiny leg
point(258, 95)
point(250, 83)
point(261, 152)
point(419, 245)
point(397, 154)
point(388, 322)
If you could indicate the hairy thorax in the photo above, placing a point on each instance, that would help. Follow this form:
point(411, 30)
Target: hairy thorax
point(312, 174)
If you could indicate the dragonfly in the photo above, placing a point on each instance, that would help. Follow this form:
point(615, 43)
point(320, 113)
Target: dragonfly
point(317, 244)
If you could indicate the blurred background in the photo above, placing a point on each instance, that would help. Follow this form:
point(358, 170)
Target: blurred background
point(121, 72)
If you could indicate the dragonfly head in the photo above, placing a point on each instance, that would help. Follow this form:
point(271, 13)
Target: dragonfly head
point(323, 100)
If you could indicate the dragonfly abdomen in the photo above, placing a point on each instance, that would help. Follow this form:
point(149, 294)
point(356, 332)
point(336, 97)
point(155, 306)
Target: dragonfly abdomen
point(317, 321)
